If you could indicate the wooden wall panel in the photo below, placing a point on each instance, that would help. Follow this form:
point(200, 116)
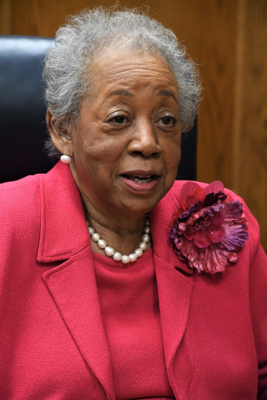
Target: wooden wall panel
point(252, 157)
point(5, 17)
point(228, 39)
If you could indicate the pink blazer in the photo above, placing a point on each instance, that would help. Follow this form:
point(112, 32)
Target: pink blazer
point(52, 340)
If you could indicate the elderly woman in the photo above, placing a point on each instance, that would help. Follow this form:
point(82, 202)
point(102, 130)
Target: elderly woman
point(116, 282)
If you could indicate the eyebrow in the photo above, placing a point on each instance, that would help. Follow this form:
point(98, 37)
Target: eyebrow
point(123, 92)
point(119, 92)
point(167, 93)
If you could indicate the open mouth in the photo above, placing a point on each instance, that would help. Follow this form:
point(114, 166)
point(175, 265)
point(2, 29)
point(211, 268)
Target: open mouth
point(140, 183)
point(140, 179)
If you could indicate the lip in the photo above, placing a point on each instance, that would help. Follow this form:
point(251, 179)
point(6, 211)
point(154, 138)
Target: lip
point(140, 187)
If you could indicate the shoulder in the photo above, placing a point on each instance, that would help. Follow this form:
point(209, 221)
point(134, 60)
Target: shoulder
point(20, 202)
point(25, 194)
point(19, 192)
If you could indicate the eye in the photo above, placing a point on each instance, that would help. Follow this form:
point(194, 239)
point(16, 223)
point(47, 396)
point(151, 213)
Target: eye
point(167, 121)
point(118, 119)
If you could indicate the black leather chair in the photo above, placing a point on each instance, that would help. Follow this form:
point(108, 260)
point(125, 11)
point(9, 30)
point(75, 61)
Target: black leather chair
point(22, 112)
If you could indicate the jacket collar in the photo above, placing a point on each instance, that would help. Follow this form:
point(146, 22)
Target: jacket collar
point(64, 237)
point(63, 228)
point(160, 221)
point(175, 284)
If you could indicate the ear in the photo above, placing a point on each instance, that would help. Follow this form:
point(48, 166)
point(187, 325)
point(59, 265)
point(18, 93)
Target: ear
point(60, 131)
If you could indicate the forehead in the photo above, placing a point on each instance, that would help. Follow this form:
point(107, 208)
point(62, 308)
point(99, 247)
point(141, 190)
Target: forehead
point(118, 70)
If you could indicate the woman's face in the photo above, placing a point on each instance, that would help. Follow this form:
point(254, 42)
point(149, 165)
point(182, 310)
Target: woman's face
point(126, 144)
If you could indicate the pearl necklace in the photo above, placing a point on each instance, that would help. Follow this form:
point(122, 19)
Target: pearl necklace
point(115, 254)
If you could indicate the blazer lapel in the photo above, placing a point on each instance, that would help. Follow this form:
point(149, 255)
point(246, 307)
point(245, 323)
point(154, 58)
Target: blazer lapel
point(73, 288)
point(72, 284)
point(175, 283)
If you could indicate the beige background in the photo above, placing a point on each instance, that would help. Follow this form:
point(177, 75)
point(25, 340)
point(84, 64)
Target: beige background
point(228, 38)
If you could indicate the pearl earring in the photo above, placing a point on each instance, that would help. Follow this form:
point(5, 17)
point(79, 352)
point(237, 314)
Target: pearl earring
point(65, 159)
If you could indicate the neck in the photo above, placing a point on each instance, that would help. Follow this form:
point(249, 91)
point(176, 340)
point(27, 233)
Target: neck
point(122, 233)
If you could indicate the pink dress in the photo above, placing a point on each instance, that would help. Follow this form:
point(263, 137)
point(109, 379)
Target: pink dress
point(130, 310)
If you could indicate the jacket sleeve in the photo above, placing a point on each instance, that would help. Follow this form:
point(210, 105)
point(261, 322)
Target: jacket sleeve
point(258, 301)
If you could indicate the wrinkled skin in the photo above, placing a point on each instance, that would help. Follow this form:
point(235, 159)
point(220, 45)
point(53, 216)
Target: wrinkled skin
point(129, 123)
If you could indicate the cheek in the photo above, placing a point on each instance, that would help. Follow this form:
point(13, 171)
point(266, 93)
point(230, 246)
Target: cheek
point(98, 147)
point(172, 155)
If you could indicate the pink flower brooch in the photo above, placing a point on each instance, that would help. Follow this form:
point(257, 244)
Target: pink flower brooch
point(209, 228)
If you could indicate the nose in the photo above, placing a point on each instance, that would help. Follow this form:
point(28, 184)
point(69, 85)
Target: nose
point(144, 140)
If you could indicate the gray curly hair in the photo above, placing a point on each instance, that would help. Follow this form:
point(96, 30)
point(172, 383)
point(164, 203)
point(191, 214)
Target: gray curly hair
point(87, 35)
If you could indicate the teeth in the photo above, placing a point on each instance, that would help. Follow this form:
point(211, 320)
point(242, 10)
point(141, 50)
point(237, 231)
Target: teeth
point(142, 180)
